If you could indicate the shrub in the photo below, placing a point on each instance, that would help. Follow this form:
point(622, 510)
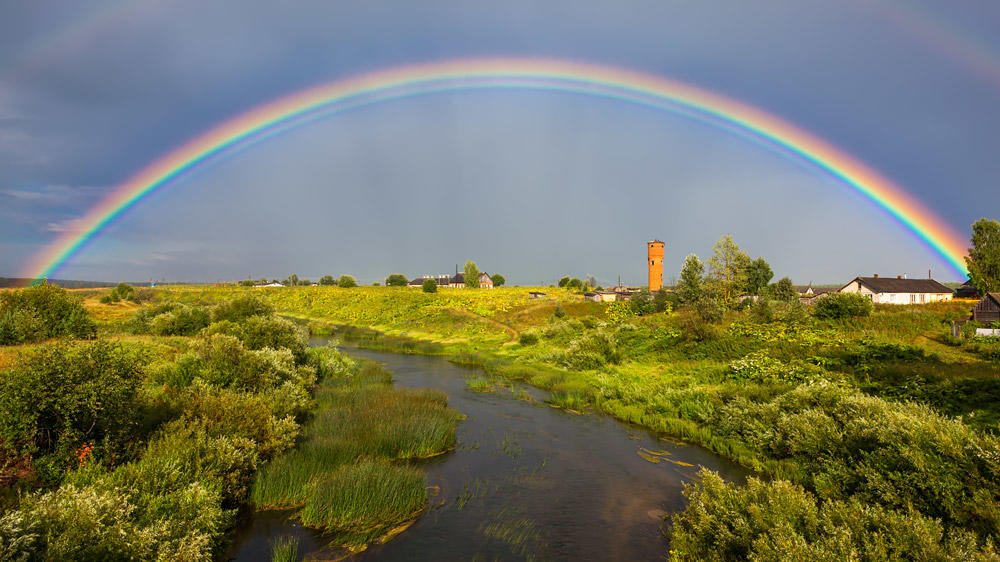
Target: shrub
point(240, 308)
point(41, 312)
point(396, 280)
point(528, 338)
point(61, 398)
point(781, 521)
point(346, 282)
point(429, 286)
point(837, 306)
point(591, 351)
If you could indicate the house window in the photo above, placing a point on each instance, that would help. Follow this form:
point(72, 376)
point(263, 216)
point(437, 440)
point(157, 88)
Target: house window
point(913, 298)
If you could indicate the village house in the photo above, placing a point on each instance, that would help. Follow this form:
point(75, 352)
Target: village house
point(536, 295)
point(898, 290)
point(967, 291)
point(418, 282)
point(458, 281)
point(987, 310)
point(601, 296)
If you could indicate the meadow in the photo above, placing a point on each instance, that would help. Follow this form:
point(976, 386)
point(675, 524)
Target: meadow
point(859, 427)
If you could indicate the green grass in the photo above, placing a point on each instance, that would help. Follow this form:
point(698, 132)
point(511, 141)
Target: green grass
point(359, 503)
point(349, 474)
point(285, 549)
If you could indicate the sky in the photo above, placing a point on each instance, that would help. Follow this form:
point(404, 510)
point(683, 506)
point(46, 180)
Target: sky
point(534, 185)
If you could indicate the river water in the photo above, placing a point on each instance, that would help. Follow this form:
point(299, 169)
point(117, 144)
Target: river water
point(526, 481)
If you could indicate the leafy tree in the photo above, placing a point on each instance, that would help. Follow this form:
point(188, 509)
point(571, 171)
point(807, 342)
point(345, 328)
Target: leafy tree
point(729, 265)
point(574, 283)
point(396, 280)
point(247, 283)
point(346, 282)
point(757, 275)
point(429, 286)
point(292, 280)
point(498, 280)
point(690, 285)
point(983, 260)
point(784, 290)
point(564, 281)
point(663, 301)
point(327, 280)
point(471, 275)
point(641, 302)
point(305, 283)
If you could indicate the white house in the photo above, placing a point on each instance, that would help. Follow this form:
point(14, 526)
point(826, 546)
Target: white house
point(898, 290)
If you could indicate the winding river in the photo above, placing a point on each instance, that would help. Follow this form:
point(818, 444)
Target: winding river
point(525, 482)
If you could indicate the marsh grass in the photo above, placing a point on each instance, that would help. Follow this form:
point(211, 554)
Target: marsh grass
point(571, 402)
point(482, 384)
point(349, 475)
point(361, 502)
point(285, 549)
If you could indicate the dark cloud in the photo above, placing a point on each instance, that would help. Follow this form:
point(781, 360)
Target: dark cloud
point(90, 95)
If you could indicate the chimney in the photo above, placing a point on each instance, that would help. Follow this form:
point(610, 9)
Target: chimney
point(876, 276)
point(899, 277)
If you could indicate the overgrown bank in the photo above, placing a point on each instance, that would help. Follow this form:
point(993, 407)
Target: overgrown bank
point(145, 443)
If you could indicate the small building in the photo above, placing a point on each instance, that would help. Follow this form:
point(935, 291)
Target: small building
point(967, 291)
point(418, 282)
point(458, 281)
point(268, 285)
point(592, 297)
point(898, 290)
point(607, 296)
point(987, 310)
point(536, 295)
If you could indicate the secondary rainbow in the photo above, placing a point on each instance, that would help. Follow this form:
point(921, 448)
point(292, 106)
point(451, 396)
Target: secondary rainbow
point(648, 90)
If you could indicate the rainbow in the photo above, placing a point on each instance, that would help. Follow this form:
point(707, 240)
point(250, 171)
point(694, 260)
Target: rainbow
point(656, 92)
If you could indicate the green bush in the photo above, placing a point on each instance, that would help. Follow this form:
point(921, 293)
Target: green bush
point(41, 312)
point(429, 286)
point(527, 338)
point(591, 351)
point(63, 397)
point(240, 308)
point(346, 282)
point(837, 306)
point(396, 280)
point(778, 521)
point(259, 332)
point(170, 319)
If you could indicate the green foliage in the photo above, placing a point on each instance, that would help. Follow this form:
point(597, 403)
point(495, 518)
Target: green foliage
point(346, 282)
point(729, 265)
point(591, 351)
point(498, 280)
point(122, 292)
point(327, 281)
point(471, 275)
point(170, 319)
point(396, 280)
point(292, 280)
point(41, 312)
point(689, 286)
point(784, 290)
point(285, 549)
point(527, 338)
point(574, 283)
point(62, 398)
point(838, 306)
point(983, 260)
point(429, 286)
point(247, 283)
point(777, 521)
point(240, 308)
point(564, 281)
point(757, 275)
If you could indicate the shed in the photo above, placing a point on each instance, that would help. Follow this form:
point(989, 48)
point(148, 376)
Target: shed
point(987, 310)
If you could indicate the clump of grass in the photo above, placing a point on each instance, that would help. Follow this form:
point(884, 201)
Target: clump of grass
point(285, 549)
point(576, 403)
point(362, 502)
point(480, 384)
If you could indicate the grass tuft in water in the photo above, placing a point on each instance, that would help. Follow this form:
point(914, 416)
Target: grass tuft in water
point(285, 549)
point(361, 502)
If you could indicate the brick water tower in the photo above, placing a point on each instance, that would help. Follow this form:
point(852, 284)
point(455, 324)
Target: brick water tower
point(654, 255)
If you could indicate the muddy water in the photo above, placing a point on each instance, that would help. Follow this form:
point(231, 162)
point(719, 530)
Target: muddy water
point(525, 482)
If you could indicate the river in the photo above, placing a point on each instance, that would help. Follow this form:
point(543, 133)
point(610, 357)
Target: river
point(526, 481)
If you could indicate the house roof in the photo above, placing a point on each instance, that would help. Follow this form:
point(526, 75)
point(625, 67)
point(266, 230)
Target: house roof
point(995, 297)
point(897, 285)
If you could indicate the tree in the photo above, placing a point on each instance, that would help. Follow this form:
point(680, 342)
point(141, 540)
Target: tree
point(983, 260)
point(429, 286)
point(305, 283)
point(784, 290)
point(396, 280)
point(757, 275)
point(471, 275)
point(247, 283)
point(292, 280)
point(689, 287)
point(564, 281)
point(574, 283)
point(729, 265)
point(327, 280)
point(498, 280)
point(346, 282)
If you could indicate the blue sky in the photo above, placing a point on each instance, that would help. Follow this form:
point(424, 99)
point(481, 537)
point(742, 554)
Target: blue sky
point(531, 184)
